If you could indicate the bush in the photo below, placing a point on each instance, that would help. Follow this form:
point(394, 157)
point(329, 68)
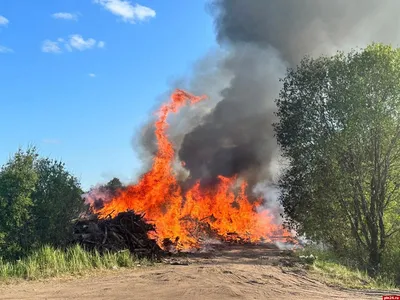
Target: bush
point(391, 261)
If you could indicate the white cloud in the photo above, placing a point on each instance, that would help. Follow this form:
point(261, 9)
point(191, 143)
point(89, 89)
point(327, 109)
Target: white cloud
point(51, 47)
point(68, 47)
point(101, 44)
point(3, 21)
point(127, 11)
point(92, 75)
point(65, 16)
point(4, 49)
point(73, 42)
point(78, 42)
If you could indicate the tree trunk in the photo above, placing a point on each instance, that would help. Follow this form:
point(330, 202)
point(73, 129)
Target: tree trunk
point(374, 257)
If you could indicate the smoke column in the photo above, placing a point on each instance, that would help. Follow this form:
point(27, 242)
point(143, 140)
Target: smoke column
point(296, 28)
point(259, 39)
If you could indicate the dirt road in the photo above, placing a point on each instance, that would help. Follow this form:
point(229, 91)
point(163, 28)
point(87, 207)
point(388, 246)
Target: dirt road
point(234, 272)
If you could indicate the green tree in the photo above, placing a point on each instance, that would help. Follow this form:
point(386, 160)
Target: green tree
point(339, 128)
point(38, 200)
point(18, 179)
point(113, 186)
point(57, 200)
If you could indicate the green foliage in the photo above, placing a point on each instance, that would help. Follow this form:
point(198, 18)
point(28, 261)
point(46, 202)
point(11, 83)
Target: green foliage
point(38, 200)
point(340, 130)
point(391, 260)
point(328, 267)
point(18, 179)
point(56, 201)
point(114, 185)
point(49, 262)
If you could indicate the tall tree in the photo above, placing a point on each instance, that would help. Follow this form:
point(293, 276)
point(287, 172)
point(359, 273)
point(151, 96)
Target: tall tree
point(57, 200)
point(38, 200)
point(18, 180)
point(339, 128)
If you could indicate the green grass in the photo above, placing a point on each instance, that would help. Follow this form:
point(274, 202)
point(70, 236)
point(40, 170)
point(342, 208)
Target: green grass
point(50, 262)
point(330, 270)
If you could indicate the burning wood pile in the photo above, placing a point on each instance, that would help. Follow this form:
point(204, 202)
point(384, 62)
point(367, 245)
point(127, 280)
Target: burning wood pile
point(127, 230)
point(184, 215)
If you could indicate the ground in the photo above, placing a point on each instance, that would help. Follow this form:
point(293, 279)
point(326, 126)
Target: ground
point(226, 272)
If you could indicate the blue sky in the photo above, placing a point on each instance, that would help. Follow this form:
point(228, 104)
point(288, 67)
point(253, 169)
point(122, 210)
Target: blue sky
point(79, 77)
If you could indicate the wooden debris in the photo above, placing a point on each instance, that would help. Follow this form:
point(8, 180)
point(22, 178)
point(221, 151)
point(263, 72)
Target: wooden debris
point(126, 231)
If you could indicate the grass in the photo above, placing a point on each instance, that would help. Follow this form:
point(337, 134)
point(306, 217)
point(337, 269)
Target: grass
point(49, 262)
point(330, 270)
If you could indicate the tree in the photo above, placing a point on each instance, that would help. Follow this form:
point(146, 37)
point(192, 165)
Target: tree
point(339, 127)
point(113, 186)
point(38, 200)
point(57, 200)
point(98, 195)
point(17, 182)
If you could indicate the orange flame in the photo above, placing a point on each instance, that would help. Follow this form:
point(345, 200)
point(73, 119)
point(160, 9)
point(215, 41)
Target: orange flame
point(180, 216)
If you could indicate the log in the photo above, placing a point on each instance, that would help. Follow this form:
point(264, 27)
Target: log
point(125, 231)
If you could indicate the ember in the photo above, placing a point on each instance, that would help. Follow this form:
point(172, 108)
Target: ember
point(183, 218)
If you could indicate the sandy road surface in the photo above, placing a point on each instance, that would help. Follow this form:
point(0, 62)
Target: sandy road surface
point(234, 272)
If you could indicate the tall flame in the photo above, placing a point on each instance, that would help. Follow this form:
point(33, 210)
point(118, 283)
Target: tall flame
point(184, 216)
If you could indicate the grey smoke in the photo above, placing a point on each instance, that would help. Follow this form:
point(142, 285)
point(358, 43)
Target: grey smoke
point(232, 133)
point(236, 137)
point(299, 27)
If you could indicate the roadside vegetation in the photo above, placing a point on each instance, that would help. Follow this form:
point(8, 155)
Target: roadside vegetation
point(50, 262)
point(39, 201)
point(327, 267)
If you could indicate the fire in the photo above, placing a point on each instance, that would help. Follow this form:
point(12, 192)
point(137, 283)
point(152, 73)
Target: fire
point(223, 209)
